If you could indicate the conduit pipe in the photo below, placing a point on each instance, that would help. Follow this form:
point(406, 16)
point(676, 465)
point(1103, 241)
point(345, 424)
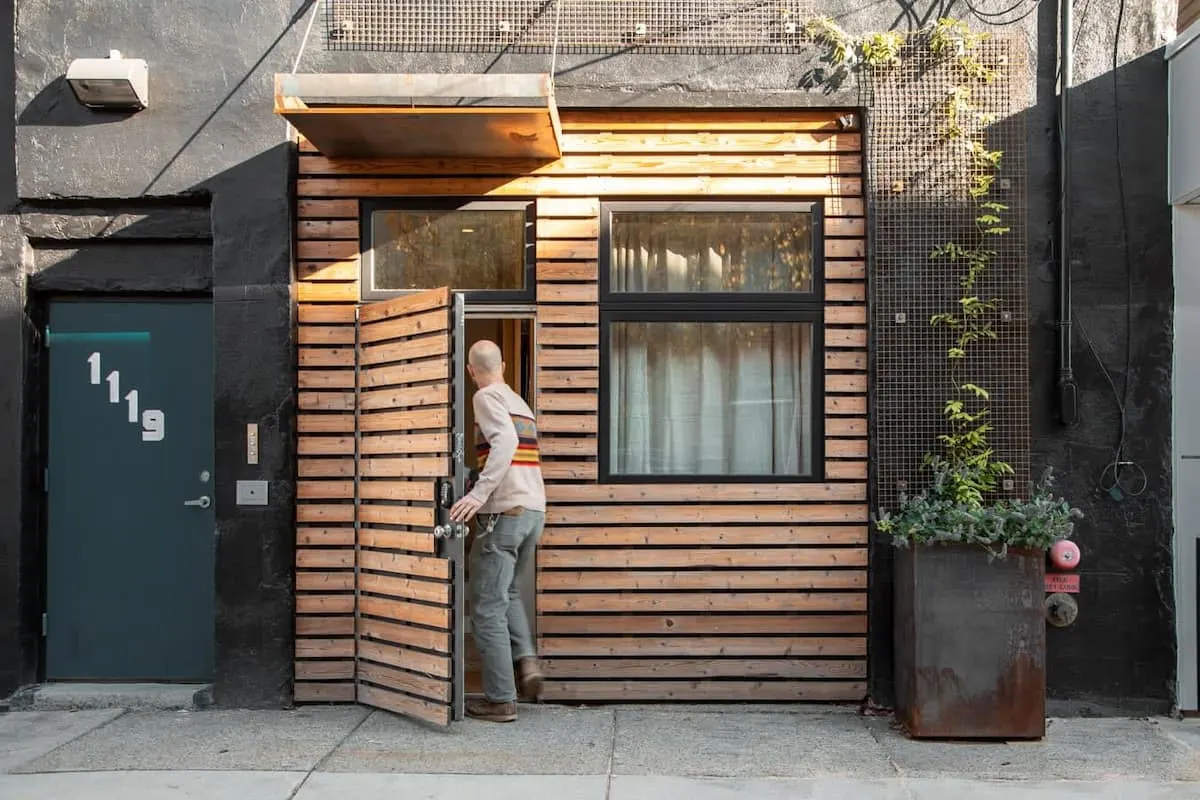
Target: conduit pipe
point(1068, 409)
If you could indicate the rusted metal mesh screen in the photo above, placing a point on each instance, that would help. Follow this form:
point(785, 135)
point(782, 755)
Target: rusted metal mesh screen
point(578, 25)
point(918, 200)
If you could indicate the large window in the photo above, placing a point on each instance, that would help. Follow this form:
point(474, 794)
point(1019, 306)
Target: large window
point(482, 248)
point(711, 340)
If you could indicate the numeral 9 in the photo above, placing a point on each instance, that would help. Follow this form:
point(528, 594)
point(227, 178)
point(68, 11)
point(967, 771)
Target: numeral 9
point(154, 425)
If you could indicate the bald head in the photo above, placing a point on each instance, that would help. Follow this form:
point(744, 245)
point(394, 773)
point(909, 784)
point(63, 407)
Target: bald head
point(486, 362)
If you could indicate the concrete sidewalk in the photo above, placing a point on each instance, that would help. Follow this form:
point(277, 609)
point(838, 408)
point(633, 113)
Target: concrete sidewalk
point(613, 753)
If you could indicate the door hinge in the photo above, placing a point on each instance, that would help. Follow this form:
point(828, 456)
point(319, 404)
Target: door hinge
point(46, 336)
point(46, 480)
point(45, 623)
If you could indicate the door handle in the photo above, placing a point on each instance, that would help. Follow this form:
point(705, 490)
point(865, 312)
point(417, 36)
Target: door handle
point(455, 530)
point(204, 502)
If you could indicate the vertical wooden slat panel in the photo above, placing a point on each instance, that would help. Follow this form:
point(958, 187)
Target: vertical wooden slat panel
point(405, 591)
point(325, 496)
point(568, 231)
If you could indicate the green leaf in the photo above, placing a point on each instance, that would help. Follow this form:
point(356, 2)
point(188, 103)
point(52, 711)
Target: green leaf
point(975, 390)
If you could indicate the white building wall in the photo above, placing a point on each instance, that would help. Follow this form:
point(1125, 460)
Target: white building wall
point(1184, 190)
point(1186, 451)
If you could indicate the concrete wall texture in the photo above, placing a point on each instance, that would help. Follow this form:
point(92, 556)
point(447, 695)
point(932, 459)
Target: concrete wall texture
point(209, 137)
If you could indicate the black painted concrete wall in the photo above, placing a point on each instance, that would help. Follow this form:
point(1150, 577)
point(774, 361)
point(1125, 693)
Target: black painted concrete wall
point(209, 146)
point(210, 142)
point(1123, 645)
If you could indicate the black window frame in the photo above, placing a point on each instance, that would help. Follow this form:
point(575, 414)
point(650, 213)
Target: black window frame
point(786, 307)
point(367, 211)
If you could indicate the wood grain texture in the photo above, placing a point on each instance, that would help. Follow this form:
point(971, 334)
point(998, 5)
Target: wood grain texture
point(1188, 14)
point(785, 557)
point(405, 592)
point(819, 164)
point(745, 691)
point(327, 272)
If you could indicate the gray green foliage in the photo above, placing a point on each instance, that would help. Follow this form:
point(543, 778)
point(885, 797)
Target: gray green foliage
point(938, 516)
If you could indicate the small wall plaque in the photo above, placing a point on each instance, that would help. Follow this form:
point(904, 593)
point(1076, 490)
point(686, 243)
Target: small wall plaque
point(1062, 582)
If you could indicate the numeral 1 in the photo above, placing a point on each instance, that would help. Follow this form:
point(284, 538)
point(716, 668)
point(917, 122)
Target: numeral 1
point(94, 363)
point(114, 386)
point(132, 400)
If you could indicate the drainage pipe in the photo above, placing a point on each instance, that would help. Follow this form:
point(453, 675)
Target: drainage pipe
point(1067, 390)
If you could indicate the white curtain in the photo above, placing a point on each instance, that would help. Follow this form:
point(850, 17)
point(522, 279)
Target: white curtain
point(699, 397)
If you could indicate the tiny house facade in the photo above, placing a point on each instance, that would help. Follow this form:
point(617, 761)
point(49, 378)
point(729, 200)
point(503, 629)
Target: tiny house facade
point(695, 288)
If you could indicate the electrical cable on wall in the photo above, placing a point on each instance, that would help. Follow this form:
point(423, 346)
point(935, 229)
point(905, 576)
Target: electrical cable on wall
point(1116, 489)
point(1114, 479)
point(558, 4)
point(307, 32)
point(1122, 477)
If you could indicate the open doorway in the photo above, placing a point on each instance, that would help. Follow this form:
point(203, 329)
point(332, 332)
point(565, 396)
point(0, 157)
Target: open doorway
point(514, 334)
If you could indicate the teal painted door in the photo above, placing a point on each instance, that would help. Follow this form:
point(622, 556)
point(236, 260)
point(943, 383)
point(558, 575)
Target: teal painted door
point(130, 523)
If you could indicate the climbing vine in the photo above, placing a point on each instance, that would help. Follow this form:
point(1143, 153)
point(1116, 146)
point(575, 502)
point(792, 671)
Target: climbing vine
point(966, 463)
point(966, 472)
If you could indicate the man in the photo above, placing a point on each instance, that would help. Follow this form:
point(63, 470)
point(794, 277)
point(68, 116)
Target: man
point(510, 499)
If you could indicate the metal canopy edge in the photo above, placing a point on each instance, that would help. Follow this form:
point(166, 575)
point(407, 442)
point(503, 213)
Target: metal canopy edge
point(352, 115)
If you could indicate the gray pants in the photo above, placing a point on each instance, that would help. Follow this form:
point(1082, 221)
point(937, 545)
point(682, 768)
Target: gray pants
point(502, 633)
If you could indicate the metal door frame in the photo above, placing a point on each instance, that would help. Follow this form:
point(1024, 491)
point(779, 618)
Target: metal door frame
point(486, 310)
point(454, 547)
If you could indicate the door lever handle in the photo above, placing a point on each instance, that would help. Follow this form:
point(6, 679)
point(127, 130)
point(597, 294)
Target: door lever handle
point(203, 502)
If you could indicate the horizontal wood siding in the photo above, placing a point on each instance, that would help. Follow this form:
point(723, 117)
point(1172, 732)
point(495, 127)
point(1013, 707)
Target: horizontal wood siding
point(405, 608)
point(698, 592)
point(750, 592)
point(1189, 12)
point(327, 293)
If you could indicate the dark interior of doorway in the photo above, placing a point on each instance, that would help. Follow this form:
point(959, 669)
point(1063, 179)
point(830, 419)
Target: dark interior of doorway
point(515, 337)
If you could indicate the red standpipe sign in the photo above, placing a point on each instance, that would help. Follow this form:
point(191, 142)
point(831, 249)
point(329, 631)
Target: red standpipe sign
point(1062, 582)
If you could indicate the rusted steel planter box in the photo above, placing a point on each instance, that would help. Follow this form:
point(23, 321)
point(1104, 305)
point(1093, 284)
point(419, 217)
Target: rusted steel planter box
point(970, 643)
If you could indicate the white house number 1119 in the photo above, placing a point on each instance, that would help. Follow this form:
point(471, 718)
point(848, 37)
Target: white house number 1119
point(154, 422)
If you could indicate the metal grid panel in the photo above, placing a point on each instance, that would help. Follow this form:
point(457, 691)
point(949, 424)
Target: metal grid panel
point(579, 25)
point(918, 200)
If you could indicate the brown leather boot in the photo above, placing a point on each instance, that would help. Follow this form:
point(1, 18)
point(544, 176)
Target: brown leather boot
point(529, 678)
point(492, 712)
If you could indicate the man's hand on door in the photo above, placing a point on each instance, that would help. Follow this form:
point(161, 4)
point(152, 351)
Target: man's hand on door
point(464, 509)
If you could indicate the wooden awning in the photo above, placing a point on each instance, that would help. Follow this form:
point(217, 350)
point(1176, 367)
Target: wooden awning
point(348, 115)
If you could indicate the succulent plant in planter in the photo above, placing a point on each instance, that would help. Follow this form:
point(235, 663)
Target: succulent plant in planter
point(945, 513)
point(970, 636)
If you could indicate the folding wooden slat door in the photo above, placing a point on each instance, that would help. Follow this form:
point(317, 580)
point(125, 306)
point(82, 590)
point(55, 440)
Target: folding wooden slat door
point(409, 564)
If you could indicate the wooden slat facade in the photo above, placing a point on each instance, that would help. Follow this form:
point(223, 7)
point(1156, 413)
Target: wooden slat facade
point(405, 589)
point(1189, 12)
point(327, 294)
point(645, 592)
